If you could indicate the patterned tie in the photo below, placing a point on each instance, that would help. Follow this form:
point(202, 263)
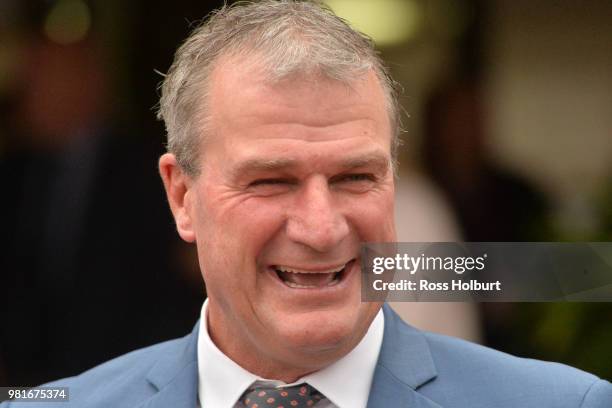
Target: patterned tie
point(297, 396)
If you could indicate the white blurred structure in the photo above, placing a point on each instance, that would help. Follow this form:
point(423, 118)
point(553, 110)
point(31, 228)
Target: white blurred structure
point(421, 215)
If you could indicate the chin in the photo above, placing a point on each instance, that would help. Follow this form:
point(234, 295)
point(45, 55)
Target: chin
point(323, 332)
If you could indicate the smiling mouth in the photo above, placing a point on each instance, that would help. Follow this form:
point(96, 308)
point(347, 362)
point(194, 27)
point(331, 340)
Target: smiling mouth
point(304, 279)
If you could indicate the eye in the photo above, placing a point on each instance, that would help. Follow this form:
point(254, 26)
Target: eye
point(268, 182)
point(260, 182)
point(355, 177)
point(354, 182)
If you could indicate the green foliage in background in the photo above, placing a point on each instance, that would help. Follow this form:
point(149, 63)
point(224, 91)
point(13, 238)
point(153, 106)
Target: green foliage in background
point(578, 334)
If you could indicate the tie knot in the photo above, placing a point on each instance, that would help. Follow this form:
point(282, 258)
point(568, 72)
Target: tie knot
point(297, 396)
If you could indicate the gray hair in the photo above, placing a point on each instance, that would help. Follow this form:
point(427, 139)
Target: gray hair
point(290, 37)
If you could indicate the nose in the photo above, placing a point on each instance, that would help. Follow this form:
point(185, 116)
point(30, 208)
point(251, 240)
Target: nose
point(315, 219)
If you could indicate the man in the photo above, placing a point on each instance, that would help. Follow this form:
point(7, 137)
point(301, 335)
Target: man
point(281, 132)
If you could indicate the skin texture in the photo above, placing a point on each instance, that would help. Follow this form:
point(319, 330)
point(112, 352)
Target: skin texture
point(294, 173)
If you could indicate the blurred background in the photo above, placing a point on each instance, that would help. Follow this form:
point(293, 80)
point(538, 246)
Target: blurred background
point(508, 137)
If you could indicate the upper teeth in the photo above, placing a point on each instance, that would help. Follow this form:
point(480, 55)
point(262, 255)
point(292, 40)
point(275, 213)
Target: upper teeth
point(293, 270)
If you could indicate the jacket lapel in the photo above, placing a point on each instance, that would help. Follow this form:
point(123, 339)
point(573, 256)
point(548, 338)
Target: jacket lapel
point(175, 376)
point(405, 363)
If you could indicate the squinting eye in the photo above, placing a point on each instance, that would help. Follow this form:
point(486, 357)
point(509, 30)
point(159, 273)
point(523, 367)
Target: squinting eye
point(268, 182)
point(357, 177)
point(267, 187)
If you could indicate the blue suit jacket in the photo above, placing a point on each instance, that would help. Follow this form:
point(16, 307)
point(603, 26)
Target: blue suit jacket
point(415, 370)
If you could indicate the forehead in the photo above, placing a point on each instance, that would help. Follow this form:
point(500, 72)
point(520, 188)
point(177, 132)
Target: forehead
point(241, 93)
point(249, 115)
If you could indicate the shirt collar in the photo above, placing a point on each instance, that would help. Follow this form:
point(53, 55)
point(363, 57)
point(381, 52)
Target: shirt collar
point(222, 381)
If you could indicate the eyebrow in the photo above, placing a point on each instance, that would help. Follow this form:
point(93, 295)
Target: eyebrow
point(258, 164)
point(378, 161)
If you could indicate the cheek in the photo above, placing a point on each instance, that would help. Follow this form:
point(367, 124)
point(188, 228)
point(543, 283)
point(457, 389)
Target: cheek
point(230, 239)
point(373, 217)
point(240, 227)
point(254, 221)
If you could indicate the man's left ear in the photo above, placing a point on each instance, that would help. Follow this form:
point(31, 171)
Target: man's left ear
point(176, 183)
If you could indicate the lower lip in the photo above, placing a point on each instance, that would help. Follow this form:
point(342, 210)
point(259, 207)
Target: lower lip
point(344, 278)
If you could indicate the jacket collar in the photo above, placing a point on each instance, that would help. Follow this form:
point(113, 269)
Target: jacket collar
point(175, 375)
point(405, 364)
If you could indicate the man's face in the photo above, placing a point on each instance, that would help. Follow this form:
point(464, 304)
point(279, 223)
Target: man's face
point(294, 177)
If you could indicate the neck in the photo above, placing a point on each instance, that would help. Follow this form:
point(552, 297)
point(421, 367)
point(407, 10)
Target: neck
point(236, 345)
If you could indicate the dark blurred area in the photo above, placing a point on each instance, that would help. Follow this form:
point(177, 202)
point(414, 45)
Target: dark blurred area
point(90, 264)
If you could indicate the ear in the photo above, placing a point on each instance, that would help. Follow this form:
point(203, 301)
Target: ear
point(177, 185)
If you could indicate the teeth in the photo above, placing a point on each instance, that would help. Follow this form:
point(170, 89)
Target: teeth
point(301, 279)
point(298, 286)
point(291, 270)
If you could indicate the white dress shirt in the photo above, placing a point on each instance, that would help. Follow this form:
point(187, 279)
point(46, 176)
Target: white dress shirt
point(345, 383)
